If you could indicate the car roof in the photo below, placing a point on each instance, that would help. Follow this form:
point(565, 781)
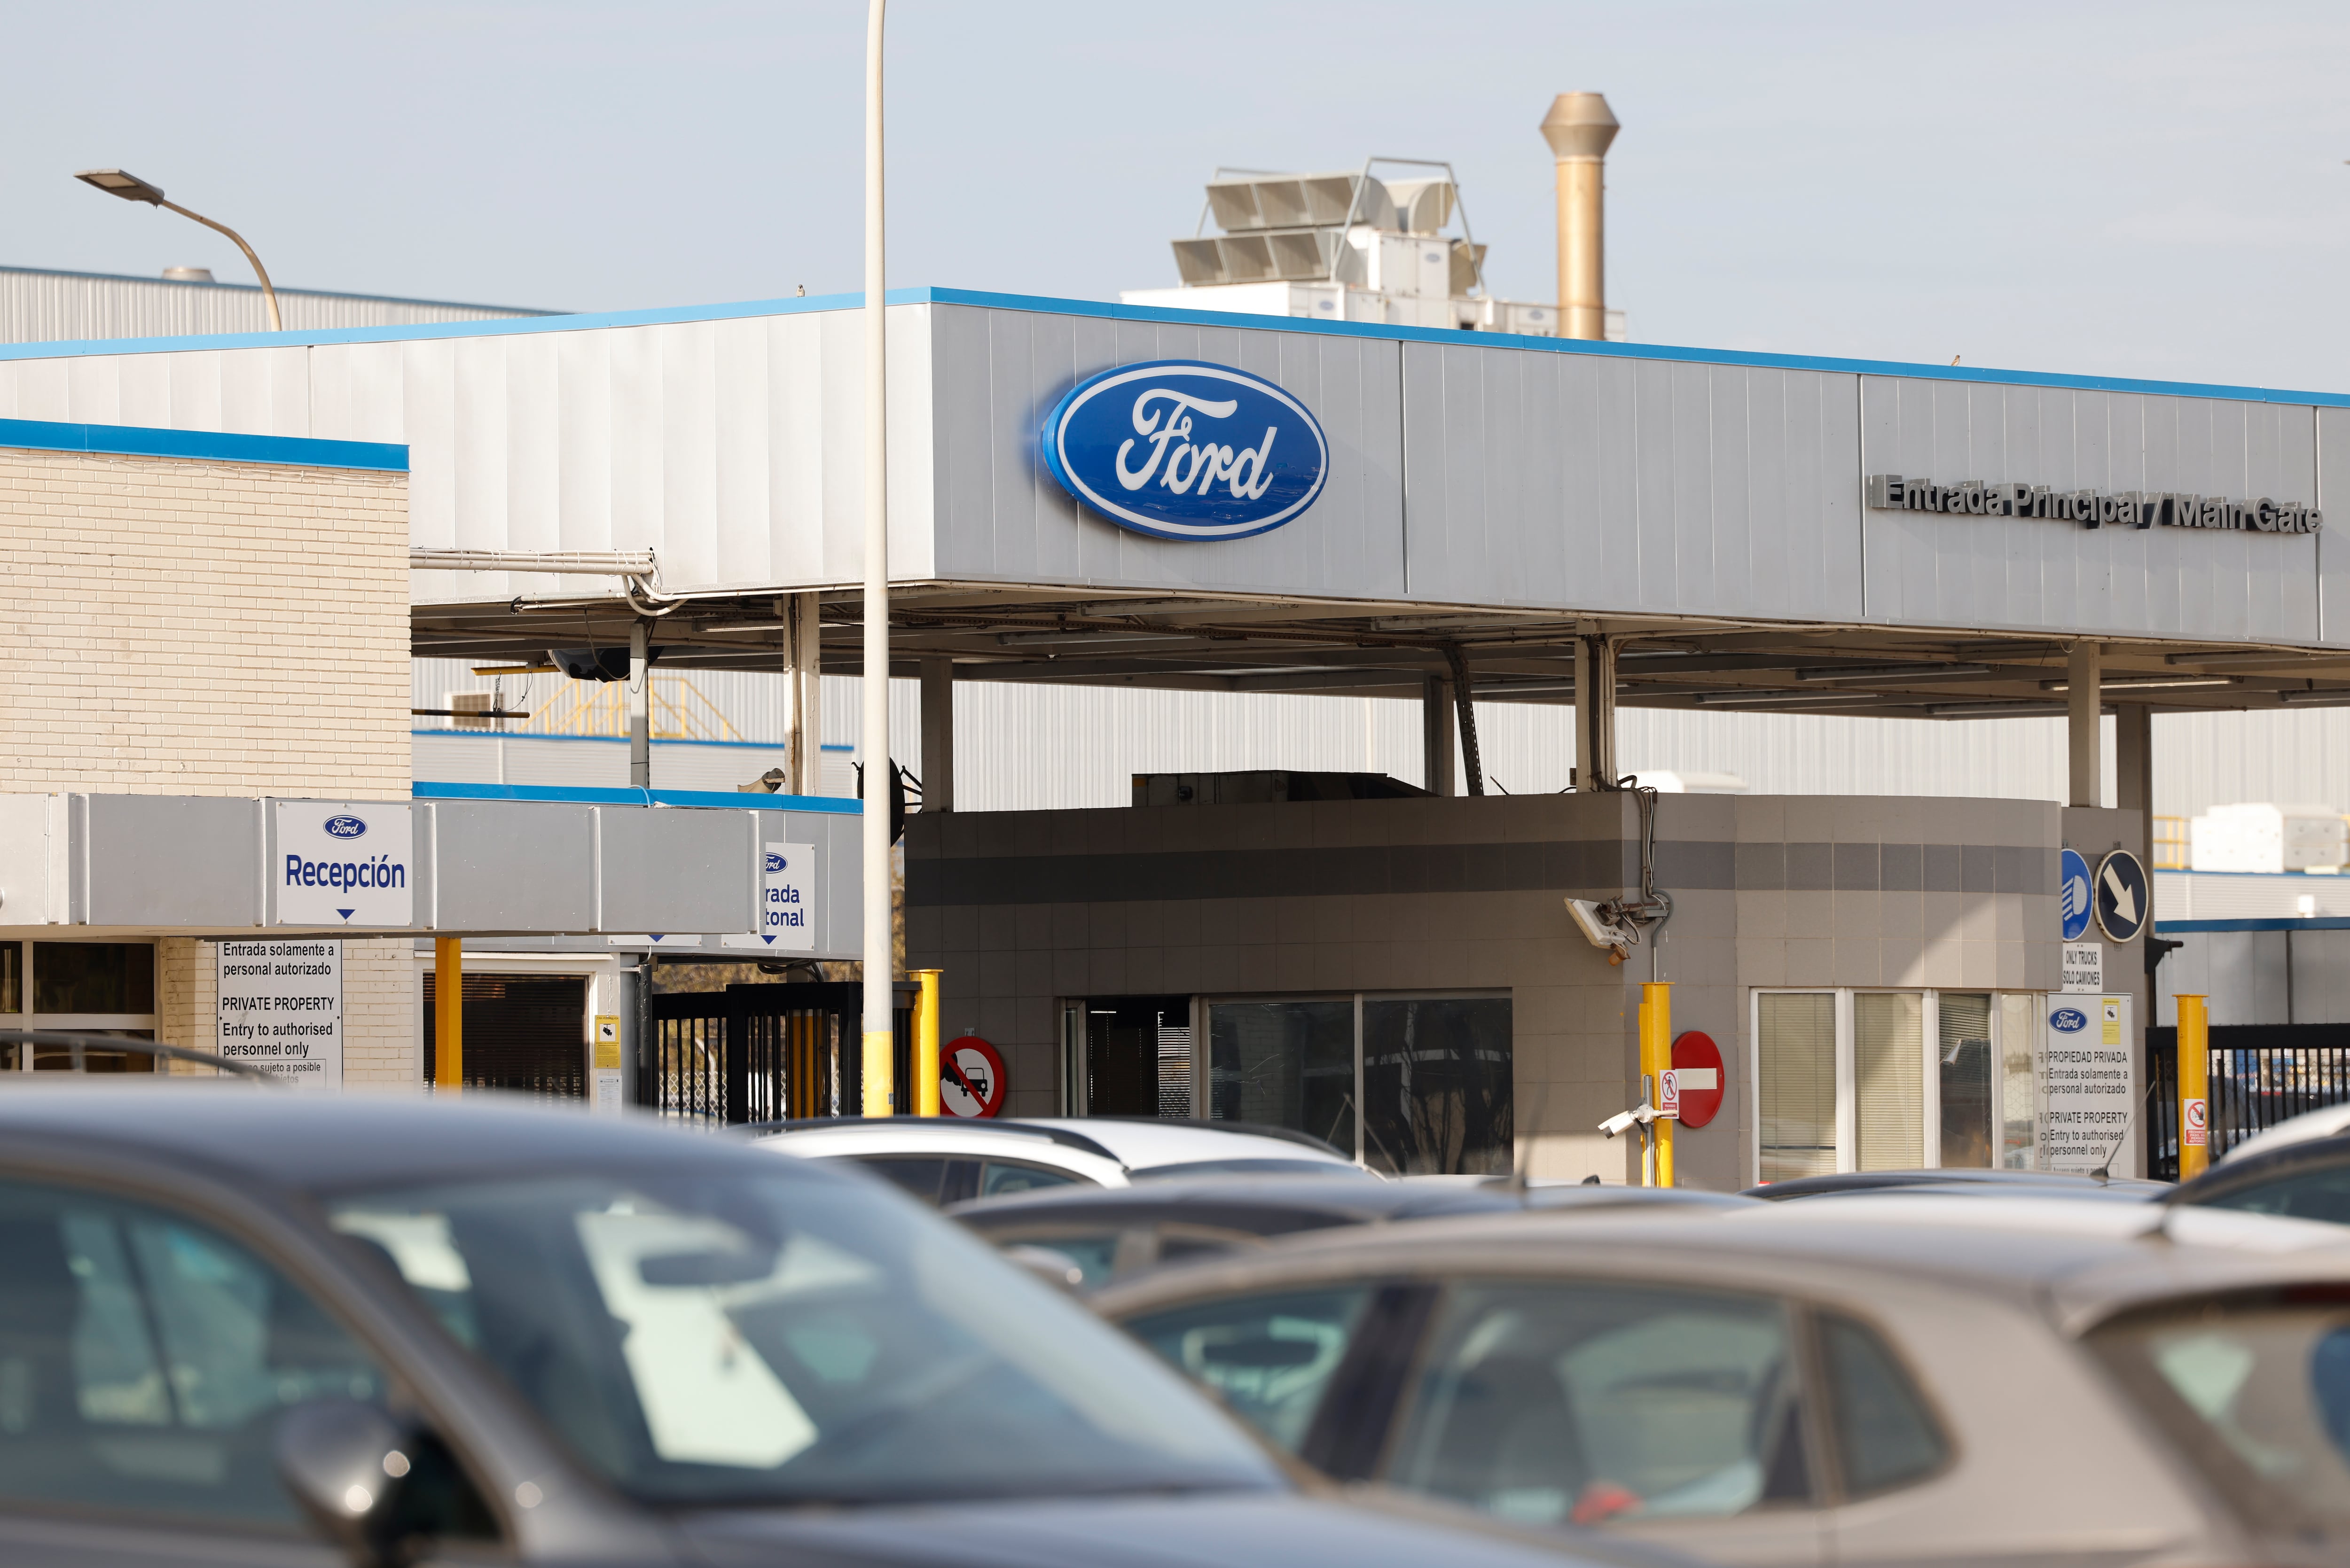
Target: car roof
point(2323, 1122)
point(2077, 1261)
point(2268, 1164)
point(1138, 1144)
point(1271, 1205)
point(319, 1142)
point(2028, 1183)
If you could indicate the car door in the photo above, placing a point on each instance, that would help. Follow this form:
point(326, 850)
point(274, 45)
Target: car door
point(146, 1357)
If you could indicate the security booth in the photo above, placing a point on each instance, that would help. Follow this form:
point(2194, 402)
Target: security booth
point(1124, 496)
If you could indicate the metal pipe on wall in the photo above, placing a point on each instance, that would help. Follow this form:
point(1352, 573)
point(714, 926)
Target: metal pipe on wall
point(1579, 128)
point(641, 708)
point(873, 736)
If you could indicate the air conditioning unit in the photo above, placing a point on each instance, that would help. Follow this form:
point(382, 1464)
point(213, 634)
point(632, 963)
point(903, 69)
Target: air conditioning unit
point(466, 703)
point(1423, 206)
point(2258, 836)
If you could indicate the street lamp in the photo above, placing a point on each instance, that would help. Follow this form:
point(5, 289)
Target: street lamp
point(130, 188)
point(880, 947)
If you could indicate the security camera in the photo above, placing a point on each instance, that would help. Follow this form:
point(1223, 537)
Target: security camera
point(1623, 1122)
point(1598, 930)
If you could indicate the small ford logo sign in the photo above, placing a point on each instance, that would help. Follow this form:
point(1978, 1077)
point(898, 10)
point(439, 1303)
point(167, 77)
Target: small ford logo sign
point(345, 827)
point(1180, 450)
point(2068, 1020)
point(774, 863)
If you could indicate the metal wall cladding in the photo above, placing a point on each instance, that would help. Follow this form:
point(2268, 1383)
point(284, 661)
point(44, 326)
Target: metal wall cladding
point(1581, 482)
point(511, 866)
point(170, 860)
point(37, 306)
point(677, 870)
point(732, 448)
point(2036, 574)
point(2334, 540)
point(1001, 516)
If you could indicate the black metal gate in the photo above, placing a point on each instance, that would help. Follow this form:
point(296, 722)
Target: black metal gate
point(2261, 1074)
point(786, 1052)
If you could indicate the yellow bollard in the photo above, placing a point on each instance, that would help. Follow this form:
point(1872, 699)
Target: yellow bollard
point(2194, 1087)
point(1656, 1057)
point(1644, 1093)
point(926, 1043)
point(448, 1015)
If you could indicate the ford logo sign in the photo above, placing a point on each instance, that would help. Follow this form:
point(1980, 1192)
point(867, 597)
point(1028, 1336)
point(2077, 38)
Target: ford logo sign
point(1179, 450)
point(774, 863)
point(345, 827)
point(2068, 1020)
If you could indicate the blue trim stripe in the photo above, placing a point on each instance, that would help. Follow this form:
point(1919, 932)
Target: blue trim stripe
point(1097, 310)
point(830, 805)
point(2275, 923)
point(144, 440)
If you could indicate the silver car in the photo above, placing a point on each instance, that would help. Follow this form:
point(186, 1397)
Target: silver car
point(1886, 1379)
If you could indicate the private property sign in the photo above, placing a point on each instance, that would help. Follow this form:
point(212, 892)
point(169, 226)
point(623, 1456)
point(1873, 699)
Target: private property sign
point(280, 1008)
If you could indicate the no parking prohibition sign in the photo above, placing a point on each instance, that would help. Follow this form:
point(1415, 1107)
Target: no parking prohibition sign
point(971, 1079)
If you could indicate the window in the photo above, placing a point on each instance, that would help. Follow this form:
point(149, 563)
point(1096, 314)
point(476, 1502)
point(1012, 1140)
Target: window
point(144, 1361)
point(1137, 1058)
point(1432, 1075)
point(997, 1175)
point(1965, 1066)
point(1585, 1402)
point(1889, 1073)
point(1884, 1435)
point(1796, 1040)
point(95, 988)
point(1893, 1080)
point(1270, 1356)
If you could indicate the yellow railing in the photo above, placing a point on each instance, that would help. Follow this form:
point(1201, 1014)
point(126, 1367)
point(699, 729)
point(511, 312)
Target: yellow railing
point(2171, 844)
point(600, 708)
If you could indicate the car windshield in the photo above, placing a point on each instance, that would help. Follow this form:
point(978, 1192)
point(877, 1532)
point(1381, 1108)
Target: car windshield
point(742, 1338)
point(2259, 1394)
point(1250, 1166)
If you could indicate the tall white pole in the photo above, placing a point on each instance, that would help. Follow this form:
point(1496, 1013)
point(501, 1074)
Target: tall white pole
point(873, 731)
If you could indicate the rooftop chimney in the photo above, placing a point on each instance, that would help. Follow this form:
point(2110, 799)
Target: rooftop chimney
point(1579, 128)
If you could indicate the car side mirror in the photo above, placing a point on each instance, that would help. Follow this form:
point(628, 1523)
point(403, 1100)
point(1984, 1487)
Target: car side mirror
point(342, 1460)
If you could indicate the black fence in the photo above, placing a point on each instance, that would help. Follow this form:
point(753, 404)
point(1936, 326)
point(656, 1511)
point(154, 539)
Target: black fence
point(766, 1053)
point(2261, 1074)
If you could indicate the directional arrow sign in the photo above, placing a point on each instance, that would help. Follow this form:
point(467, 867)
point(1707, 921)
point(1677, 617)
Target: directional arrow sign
point(2125, 897)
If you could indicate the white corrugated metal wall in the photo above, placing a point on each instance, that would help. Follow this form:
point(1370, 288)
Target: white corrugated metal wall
point(1033, 746)
point(37, 306)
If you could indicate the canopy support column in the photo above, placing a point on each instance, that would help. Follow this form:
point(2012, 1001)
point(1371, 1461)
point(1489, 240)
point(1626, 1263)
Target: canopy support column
point(1595, 713)
point(938, 734)
point(2082, 725)
point(1436, 757)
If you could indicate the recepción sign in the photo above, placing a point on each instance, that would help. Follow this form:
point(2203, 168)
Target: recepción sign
point(342, 864)
point(281, 1009)
point(1181, 450)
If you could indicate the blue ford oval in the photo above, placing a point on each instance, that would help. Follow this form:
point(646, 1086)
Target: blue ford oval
point(345, 827)
point(1180, 450)
point(2069, 1020)
point(775, 862)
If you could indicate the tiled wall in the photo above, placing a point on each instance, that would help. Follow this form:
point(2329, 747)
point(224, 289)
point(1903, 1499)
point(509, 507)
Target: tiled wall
point(1022, 908)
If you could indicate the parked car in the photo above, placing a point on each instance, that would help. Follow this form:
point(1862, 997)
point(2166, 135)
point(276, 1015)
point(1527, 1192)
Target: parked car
point(947, 1159)
point(1973, 1182)
point(1100, 1234)
point(2326, 1121)
point(501, 1333)
point(2306, 1178)
point(1887, 1379)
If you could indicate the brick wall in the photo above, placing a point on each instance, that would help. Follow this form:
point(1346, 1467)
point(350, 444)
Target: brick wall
point(207, 627)
point(204, 628)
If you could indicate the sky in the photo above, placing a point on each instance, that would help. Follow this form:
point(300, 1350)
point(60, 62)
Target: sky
point(2145, 189)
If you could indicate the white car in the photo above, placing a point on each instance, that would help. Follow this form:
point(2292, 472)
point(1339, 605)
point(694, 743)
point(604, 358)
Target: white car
point(945, 1159)
point(2323, 1122)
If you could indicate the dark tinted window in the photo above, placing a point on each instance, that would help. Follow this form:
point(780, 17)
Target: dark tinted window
point(2302, 1194)
point(93, 977)
point(145, 1360)
point(1884, 1433)
point(922, 1175)
point(1270, 1356)
point(1585, 1402)
point(1014, 1176)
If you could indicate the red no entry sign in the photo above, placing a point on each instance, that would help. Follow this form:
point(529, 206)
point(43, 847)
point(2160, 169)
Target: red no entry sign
point(1697, 1068)
point(971, 1079)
